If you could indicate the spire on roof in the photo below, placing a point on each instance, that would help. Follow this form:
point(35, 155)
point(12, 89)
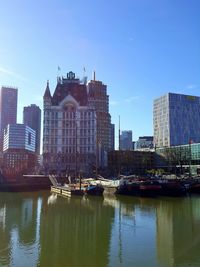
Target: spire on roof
point(47, 93)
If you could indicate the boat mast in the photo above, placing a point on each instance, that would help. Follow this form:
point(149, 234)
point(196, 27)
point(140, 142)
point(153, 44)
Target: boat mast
point(119, 159)
point(75, 144)
point(97, 153)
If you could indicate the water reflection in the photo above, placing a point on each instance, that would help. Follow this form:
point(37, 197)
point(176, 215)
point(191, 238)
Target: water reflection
point(78, 231)
point(39, 229)
point(20, 229)
point(178, 235)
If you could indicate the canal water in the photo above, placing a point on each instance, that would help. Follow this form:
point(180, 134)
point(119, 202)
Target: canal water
point(42, 229)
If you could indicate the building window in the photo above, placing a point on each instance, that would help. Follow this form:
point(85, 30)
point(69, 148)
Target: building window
point(29, 138)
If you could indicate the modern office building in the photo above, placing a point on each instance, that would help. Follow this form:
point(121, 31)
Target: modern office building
point(179, 159)
point(8, 109)
point(18, 151)
point(176, 120)
point(19, 136)
point(126, 140)
point(32, 118)
point(144, 143)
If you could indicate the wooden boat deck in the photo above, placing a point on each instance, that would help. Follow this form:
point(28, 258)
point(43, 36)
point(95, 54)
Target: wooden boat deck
point(67, 191)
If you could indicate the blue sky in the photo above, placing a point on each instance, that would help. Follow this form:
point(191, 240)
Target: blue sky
point(141, 49)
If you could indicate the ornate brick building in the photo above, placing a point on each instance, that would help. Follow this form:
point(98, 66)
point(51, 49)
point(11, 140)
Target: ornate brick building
point(76, 125)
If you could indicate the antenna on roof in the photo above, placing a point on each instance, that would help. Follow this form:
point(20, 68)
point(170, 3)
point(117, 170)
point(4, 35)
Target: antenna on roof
point(94, 75)
point(84, 76)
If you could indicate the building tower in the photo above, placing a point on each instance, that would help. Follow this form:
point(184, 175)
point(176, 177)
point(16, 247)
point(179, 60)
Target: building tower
point(8, 109)
point(32, 118)
point(69, 129)
point(126, 140)
point(176, 120)
point(98, 99)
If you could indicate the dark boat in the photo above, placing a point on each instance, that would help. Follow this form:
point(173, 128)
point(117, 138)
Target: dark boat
point(129, 189)
point(172, 188)
point(150, 188)
point(139, 188)
point(194, 188)
point(94, 190)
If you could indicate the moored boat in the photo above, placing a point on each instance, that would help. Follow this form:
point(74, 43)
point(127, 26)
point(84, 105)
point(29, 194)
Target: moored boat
point(173, 188)
point(150, 188)
point(94, 190)
point(194, 187)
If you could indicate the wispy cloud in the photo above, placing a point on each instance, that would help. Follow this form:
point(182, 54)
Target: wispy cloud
point(12, 73)
point(131, 99)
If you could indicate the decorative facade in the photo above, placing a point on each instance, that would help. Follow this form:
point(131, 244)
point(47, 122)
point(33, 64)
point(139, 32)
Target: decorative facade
point(69, 133)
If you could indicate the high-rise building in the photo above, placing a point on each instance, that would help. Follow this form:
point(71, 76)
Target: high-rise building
point(8, 109)
point(126, 140)
point(99, 99)
point(176, 120)
point(32, 118)
point(69, 133)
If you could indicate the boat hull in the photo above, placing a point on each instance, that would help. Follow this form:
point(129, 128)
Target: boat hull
point(94, 190)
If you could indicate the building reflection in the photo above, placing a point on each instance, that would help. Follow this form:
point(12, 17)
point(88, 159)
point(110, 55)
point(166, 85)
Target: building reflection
point(178, 235)
point(18, 229)
point(50, 230)
point(134, 217)
point(76, 231)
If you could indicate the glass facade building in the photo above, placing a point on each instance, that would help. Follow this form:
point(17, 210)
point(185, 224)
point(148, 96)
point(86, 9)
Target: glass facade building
point(126, 140)
point(19, 136)
point(176, 120)
point(179, 157)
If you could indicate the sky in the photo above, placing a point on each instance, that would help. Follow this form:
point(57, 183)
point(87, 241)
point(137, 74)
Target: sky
point(141, 49)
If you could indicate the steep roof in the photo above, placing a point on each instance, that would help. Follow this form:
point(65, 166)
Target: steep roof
point(77, 90)
point(47, 93)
